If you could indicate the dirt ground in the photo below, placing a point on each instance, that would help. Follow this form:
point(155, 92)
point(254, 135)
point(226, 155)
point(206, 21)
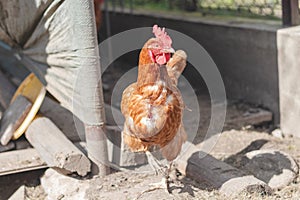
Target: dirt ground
point(129, 184)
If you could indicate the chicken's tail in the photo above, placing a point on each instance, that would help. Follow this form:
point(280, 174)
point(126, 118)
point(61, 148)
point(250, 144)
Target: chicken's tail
point(176, 65)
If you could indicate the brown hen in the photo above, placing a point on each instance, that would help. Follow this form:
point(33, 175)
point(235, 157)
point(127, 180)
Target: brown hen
point(153, 106)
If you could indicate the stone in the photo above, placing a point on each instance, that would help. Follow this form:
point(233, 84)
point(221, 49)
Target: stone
point(19, 194)
point(59, 186)
point(274, 167)
point(277, 133)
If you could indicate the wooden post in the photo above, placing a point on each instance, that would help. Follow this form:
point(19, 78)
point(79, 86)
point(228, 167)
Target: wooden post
point(97, 149)
point(95, 133)
point(290, 12)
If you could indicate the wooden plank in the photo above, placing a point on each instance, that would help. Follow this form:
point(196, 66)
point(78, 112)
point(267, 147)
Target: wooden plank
point(256, 118)
point(286, 16)
point(13, 118)
point(7, 90)
point(295, 17)
point(55, 149)
point(22, 143)
point(200, 166)
point(63, 119)
point(20, 161)
point(10, 64)
point(12, 162)
point(9, 146)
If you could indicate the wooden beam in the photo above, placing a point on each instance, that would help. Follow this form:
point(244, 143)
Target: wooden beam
point(256, 118)
point(202, 167)
point(7, 90)
point(10, 64)
point(13, 118)
point(12, 162)
point(55, 149)
point(9, 146)
point(19, 161)
point(63, 119)
point(290, 12)
point(295, 17)
point(1, 111)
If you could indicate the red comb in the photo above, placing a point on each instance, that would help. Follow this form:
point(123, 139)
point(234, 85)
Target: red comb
point(162, 35)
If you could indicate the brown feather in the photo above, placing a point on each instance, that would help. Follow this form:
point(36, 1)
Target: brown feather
point(176, 65)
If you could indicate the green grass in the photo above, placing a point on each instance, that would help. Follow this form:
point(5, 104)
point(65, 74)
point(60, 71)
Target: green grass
point(220, 8)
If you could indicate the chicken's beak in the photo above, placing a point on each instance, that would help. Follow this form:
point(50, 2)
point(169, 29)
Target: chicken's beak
point(168, 50)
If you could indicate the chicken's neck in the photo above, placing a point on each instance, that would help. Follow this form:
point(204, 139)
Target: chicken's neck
point(150, 72)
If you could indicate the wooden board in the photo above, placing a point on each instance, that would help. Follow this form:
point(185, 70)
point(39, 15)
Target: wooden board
point(256, 118)
point(13, 118)
point(19, 161)
point(200, 166)
point(31, 160)
point(7, 90)
point(63, 119)
point(10, 64)
point(290, 12)
point(1, 111)
point(55, 149)
point(9, 146)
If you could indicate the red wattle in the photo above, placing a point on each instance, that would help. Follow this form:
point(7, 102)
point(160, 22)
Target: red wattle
point(162, 58)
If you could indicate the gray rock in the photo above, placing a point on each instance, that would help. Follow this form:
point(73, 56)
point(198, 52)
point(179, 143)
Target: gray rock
point(277, 133)
point(276, 168)
point(58, 186)
point(19, 194)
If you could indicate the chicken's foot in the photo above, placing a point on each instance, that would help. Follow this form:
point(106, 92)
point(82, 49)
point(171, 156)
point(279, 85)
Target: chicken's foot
point(161, 169)
point(164, 184)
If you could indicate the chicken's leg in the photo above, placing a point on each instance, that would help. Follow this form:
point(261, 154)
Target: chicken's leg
point(165, 182)
point(161, 169)
point(155, 164)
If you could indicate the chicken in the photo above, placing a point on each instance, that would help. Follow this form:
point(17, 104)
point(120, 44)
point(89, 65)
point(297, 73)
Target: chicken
point(153, 106)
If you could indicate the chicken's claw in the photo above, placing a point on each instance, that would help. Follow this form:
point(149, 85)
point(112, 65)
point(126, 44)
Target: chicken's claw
point(163, 184)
